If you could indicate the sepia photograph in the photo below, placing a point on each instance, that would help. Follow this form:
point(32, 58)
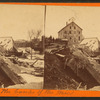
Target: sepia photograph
point(21, 46)
point(49, 47)
point(72, 48)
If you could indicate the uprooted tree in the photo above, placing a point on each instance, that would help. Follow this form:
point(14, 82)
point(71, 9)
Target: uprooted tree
point(34, 38)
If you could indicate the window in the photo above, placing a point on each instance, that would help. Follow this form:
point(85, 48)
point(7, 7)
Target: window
point(74, 27)
point(70, 27)
point(79, 38)
point(65, 36)
point(70, 32)
point(70, 38)
point(79, 32)
point(65, 32)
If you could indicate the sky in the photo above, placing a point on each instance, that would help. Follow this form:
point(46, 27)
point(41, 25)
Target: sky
point(88, 18)
point(17, 20)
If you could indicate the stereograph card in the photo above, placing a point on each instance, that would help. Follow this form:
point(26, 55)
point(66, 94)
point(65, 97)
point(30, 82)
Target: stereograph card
point(49, 49)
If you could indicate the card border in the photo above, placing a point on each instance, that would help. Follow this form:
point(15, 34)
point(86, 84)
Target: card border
point(44, 92)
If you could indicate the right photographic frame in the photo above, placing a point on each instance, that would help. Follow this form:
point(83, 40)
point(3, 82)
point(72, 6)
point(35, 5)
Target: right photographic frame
point(72, 48)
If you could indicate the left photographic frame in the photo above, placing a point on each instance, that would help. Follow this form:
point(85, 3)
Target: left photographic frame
point(21, 46)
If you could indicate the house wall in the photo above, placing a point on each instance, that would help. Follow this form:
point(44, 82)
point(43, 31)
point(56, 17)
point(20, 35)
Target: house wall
point(71, 32)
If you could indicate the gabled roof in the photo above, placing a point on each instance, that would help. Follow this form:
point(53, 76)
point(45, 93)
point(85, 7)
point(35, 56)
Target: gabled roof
point(70, 24)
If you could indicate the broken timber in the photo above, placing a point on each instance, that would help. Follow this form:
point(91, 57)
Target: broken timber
point(88, 74)
point(11, 77)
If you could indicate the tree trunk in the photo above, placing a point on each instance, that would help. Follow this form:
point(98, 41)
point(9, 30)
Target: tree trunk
point(31, 50)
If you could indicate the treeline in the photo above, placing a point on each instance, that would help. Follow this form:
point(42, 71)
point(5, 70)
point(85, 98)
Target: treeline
point(36, 44)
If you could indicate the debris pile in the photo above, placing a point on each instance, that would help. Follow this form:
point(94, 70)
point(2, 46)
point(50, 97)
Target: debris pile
point(8, 77)
point(55, 76)
point(70, 63)
point(21, 72)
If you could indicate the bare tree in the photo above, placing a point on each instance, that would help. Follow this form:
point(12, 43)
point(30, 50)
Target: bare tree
point(38, 34)
point(33, 35)
point(30, 37)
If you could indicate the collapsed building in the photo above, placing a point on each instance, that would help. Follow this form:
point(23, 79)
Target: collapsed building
point(9, 47)
point(91, 46)
point(16, 70)
point(8, 44)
